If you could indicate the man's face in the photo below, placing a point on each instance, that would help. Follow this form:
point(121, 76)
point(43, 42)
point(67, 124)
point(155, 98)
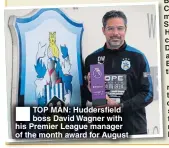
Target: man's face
point(114, 32)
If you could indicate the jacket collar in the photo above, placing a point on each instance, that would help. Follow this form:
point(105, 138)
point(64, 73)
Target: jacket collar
point(122, 48)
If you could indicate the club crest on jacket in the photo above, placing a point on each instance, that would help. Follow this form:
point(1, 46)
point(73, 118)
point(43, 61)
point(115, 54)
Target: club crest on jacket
point(125, 64)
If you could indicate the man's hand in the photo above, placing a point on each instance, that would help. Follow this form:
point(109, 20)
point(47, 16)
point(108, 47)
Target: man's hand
point(111, 102)
point(88, 81)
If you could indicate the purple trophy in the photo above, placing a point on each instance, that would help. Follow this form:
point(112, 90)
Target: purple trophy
point(98, 85)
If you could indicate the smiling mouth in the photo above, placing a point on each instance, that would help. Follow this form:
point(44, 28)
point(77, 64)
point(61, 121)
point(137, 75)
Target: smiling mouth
point(114, 40)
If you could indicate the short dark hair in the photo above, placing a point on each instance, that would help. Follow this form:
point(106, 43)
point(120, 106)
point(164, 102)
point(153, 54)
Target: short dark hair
point(114, 14)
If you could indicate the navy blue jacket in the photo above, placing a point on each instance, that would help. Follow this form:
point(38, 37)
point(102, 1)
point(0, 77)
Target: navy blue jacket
point(131, 66)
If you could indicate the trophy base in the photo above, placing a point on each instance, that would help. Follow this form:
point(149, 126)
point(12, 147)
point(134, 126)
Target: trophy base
point(99, 102)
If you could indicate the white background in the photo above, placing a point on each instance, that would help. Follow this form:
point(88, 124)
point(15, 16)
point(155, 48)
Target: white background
point(3, 92)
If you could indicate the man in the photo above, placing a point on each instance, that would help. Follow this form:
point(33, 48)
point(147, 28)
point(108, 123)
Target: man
point(127, 74)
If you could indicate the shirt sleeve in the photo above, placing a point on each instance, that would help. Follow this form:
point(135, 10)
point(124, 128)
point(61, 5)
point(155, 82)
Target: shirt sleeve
point(145, 94)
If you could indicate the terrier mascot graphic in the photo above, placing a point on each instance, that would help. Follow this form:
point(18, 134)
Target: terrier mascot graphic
point(53, 72)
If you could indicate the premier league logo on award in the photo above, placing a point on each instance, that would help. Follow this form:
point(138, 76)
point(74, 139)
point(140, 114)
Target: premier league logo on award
point(97, 73)
point(125, 64)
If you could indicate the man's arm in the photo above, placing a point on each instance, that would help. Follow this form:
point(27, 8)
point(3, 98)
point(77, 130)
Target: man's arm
point(145, 94)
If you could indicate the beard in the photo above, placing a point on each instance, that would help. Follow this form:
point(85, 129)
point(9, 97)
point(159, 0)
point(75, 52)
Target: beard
point(115, 43)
